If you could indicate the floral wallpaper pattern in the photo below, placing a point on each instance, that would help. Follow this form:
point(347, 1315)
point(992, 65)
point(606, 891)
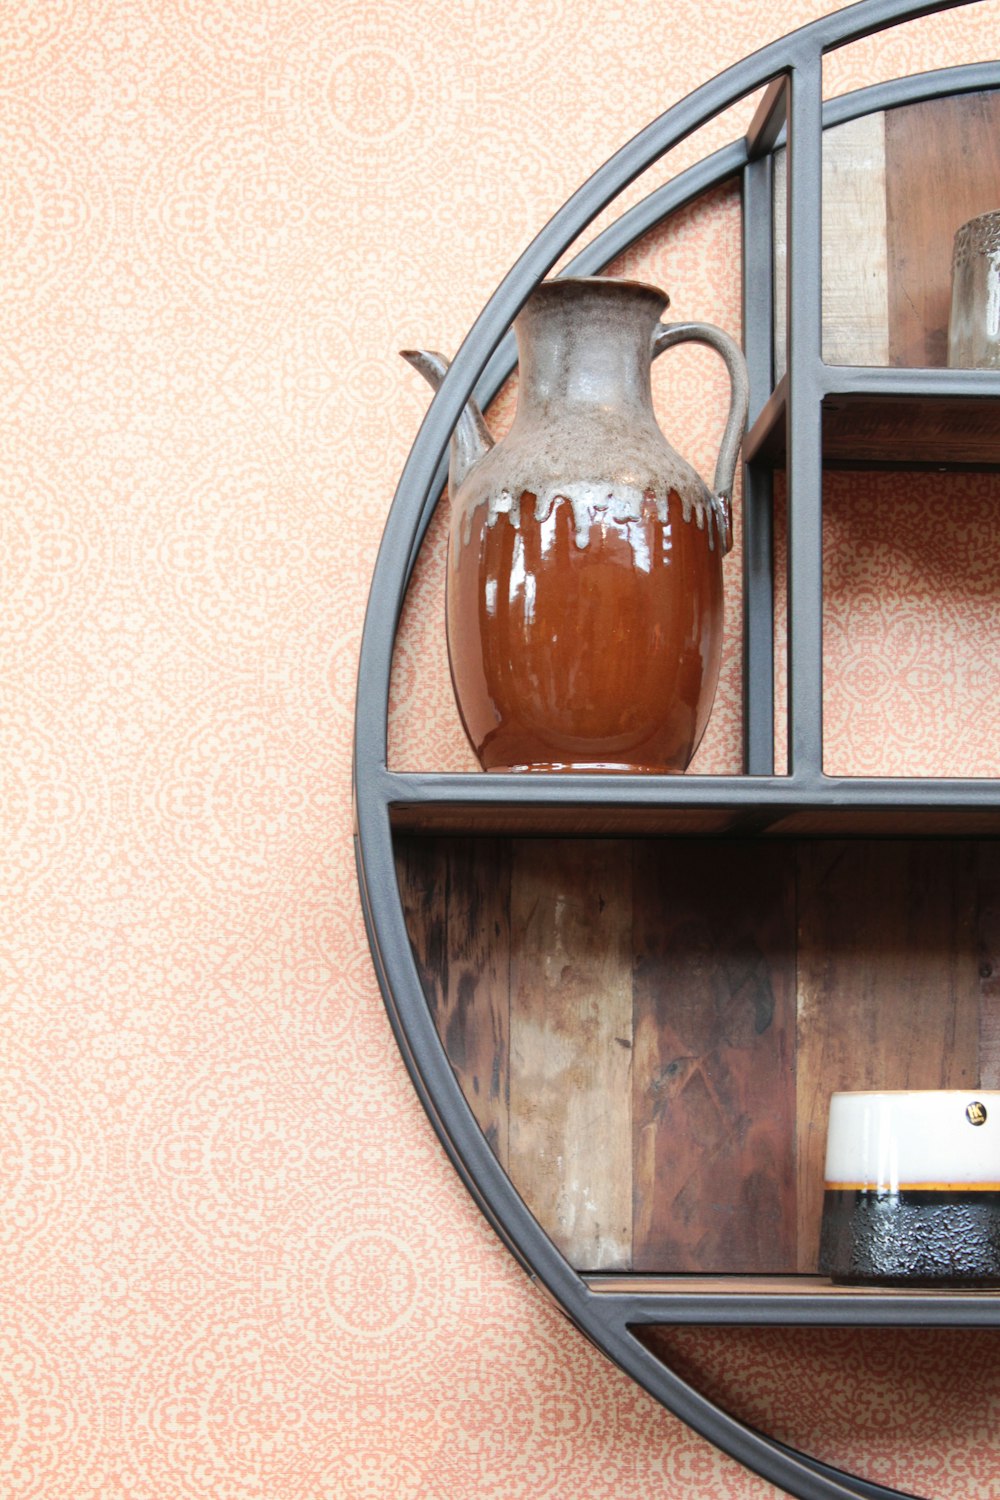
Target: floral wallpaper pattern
point(235, 1261)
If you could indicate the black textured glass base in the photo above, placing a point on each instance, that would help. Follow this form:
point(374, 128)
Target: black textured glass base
point(916, 1236)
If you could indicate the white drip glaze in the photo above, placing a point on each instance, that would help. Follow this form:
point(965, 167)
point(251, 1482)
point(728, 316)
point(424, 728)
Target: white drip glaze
point(594, 503)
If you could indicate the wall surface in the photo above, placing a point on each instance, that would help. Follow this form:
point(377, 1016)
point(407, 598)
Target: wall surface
point(235, 1260)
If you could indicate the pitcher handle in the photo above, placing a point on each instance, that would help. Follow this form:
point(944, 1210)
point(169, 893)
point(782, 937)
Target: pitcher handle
point(665, 336)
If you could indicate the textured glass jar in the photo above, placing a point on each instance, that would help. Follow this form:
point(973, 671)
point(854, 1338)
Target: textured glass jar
point(974, 325)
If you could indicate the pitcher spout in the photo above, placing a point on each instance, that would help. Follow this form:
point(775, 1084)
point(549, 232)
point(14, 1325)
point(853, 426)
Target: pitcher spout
point(472, 439)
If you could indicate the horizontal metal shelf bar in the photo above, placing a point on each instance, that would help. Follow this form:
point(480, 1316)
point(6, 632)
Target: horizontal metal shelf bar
point(907, 1309)
point(472, 789)
point(783, 1299)
point(882, 380)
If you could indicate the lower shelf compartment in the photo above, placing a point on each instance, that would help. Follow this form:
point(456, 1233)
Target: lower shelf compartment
point(890, 430)
point(648, 1031)
point(911, 1408)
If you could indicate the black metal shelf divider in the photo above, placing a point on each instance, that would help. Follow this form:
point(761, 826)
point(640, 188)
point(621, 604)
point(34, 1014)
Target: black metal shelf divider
point(758, 479)
point(804, 420)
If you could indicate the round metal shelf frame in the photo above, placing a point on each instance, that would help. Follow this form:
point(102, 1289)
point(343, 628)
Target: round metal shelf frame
point(791, 71)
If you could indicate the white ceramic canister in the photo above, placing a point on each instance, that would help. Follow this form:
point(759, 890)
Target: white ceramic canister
point(912, 1187)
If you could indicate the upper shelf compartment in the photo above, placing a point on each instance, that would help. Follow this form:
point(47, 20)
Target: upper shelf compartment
point(897, 184)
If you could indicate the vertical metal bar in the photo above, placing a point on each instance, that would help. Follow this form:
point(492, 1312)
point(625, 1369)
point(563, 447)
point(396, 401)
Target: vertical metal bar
point(758, 621)
point(758, 486)
point(804, 415)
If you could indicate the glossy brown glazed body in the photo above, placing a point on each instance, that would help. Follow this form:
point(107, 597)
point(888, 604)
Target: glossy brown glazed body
point(601, 656)
point(585, 614)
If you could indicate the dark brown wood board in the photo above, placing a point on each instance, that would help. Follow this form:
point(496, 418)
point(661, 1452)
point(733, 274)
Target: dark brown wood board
point(422, 874)
point(714, 1070)
point(456, 899)
point(476, 1020)
point(988, 960)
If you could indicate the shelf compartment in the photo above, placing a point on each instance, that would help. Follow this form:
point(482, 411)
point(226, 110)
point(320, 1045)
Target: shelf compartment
point(648, 1031)
point(896, 185)
point(912, 432)
point(890, 419)
point(882, 1402)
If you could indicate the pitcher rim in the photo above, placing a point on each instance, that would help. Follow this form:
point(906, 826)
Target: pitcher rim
point(579, 283)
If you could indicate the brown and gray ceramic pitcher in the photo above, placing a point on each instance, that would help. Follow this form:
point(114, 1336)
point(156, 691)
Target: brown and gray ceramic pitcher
point(584, 592)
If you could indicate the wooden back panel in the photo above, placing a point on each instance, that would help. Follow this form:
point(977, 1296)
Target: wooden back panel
point(648, 1031)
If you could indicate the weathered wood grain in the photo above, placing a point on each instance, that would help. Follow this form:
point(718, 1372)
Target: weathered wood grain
point(456, 900)
point(571, 1044)
point(909, 822)
point(422, 874)
point(888, 987)
point(595, 820)
point(855, 274)
point(907, 432)
point(988, 955)
point(475, 1021)
point(713, 1073)
point(855, 270)
point(942, 169)
point(896, 186)
point(622, 1019)
point(889, 432)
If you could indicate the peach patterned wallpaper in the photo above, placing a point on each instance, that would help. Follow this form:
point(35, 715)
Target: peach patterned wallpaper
point(235, 1261)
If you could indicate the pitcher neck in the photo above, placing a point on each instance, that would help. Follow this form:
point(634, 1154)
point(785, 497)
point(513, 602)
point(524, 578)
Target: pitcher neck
point(587, 343)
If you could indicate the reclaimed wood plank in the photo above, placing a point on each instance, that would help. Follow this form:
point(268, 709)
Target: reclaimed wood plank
point(988, 946)
point(422, 875)
point(873, 822)
point(713, 1071)
point(595, 819)
point(855, 268)
point(911, 432)
point(888, 987)
point(475, 1018)
point(571, 1044)
point(942, 169)
point(456, 897)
